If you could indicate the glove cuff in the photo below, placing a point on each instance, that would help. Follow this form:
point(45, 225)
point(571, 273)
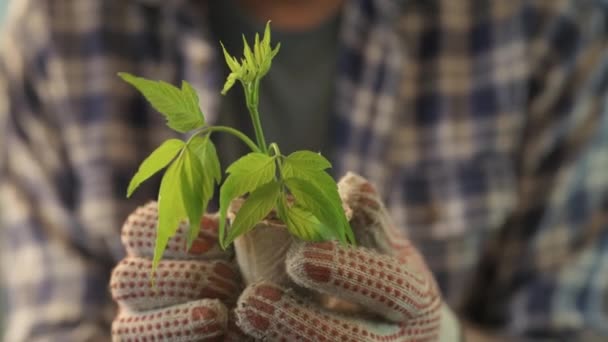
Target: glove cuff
point(450, 329)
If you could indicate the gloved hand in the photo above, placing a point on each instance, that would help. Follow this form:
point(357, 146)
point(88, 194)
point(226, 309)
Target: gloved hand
point(384, 285)
point(192, 291)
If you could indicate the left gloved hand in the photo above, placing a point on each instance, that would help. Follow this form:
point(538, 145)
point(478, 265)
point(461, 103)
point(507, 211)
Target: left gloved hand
point(389, 291)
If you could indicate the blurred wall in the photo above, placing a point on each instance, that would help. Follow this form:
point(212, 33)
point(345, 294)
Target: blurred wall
point(3, 4)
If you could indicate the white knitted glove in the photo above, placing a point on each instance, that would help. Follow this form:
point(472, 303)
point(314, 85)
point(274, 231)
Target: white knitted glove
point(379, 291)
point(193, 288)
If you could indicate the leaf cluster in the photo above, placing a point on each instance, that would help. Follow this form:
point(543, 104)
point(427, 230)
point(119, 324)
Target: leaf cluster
point(297, 187)
point(180, 107)
point(305, 197)
point(255, 63)
point(193, 167)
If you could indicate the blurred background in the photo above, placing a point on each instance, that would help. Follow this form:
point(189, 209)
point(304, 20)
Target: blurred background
point(3, 5)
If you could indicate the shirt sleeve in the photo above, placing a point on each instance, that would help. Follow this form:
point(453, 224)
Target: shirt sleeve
point(54, 268)
point(546, 275)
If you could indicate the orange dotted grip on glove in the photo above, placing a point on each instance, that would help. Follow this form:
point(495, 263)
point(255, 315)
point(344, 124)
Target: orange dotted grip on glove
point(192, 287)
point(397, 291)
point(385, 279)
point(139, 237)
point(202, 320)
point(177, 282)
point(271, 313)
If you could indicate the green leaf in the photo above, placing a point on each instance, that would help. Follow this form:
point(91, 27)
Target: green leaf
point(257, 53)
point(204, 149)
point(195, 196)
point(302, 223)
point(330, 213)
point(156, 161)
point(249, 58)
point(191, 101)
point(309, 166)
point(266, 38)
point(267, 54)
point(252, 162)
point(246, 174)
point(232, 78)
point(201, 171)
point(235, 70)
point(307, 160)
point(256, 207)
point(180, 107)
point(232, 63)
point(321, 179)
point(171, 209)
point(255, 63)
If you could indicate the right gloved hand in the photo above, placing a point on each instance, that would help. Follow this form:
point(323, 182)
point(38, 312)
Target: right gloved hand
point(193, 288)
point(380, 290)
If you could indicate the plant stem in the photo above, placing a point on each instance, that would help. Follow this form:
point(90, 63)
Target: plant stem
point(252, 98)
point(245, 139)
point(275, 148)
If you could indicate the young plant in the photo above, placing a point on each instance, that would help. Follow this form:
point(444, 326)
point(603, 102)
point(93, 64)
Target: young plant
point(265, 175)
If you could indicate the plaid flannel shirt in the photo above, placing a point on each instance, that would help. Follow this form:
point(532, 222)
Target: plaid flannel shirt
point(483, 123)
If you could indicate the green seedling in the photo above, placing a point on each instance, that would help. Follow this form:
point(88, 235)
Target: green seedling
point(265, 176)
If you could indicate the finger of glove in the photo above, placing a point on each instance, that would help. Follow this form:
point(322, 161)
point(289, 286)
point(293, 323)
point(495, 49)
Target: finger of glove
point(201, 320)
point(234, 332)
point(382, 284)
point(139, 237)
point(175, 281)
point(271, 313)
point(371, 222)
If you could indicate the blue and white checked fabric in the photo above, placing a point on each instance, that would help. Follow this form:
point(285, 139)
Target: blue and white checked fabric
point(484, 124)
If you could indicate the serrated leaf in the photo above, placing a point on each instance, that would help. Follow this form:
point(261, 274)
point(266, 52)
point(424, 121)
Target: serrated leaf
point(246, 174)
point(257, 52)
point(251, 162)
point(266, 38)
point(233, 65)
point(303, 223)
point(205, 150)
point(307, 160)
point(180, 107)
point(321, 179)
point(255, 63)
point(249, 58)
point(308, 167)
point(155, 162)
point(171, 209)
point(330, 213)
point(276, 50)
point(201, 171)
point(191, 100)
point(235, 70)
point(257, 206)
point(229, 82)
point(195, 195)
